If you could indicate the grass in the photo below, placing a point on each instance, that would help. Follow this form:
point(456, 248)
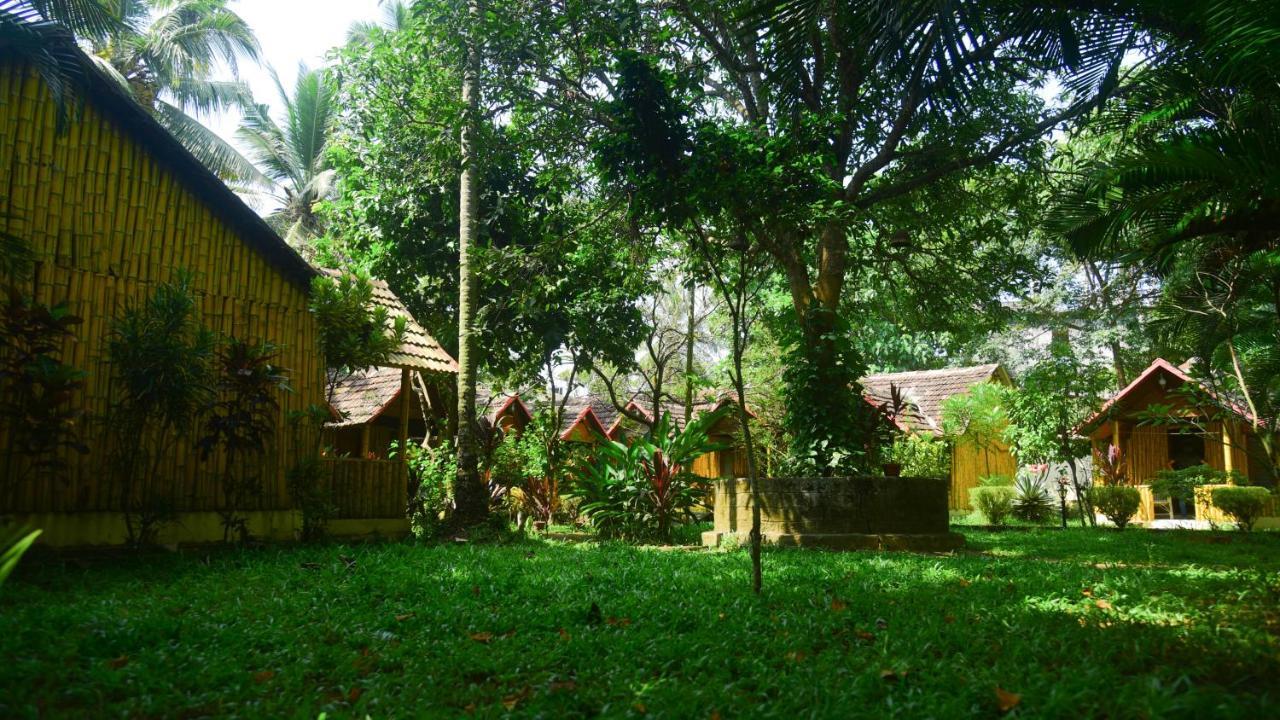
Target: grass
point(1074, 623)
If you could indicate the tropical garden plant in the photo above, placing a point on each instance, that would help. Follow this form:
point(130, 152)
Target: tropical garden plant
point(1118, 503)
point(639, 489)
point(1243, 504)
point(161, 358)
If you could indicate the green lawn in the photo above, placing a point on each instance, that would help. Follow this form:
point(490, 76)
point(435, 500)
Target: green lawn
point(1075, 624)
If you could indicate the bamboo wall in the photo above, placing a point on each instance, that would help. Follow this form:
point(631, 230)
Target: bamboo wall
point(367, 488)
point(1146, 449)
point(108, 221)
point(970, 463)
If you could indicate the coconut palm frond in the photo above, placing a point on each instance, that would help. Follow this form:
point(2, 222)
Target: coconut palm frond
point(206, 146)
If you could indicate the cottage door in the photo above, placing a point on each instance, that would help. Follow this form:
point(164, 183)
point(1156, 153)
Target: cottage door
point(1186, 449)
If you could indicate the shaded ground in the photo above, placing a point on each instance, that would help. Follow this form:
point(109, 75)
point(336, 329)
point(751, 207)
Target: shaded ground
point(1066, 624)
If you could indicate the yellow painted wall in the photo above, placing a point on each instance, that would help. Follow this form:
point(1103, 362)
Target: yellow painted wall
point(108, 221)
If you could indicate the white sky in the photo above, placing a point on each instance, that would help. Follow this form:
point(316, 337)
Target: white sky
point(290, 31)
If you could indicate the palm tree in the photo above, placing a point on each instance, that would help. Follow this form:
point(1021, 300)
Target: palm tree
point(165, 53)
point(293, 156)
point(42, 33)
point(395, 17)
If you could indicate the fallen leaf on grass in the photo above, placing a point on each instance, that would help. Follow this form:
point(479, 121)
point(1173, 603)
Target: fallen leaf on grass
point(839, 605)
point(881, 623)
point(405, 616)
point(482, 637)
point(509, 702)
point(964, 583)
point(891, 676)
point(563, 686)
point(1006, 700)
point(310, 566)
point(265, 675)
point(117, 663)
point(564, 635)
point(354, 694)
point(640, 708)
point(1102, 604)
point(948, 619)
point(865, 636)
point(796, 656)
point(715, 715)
point(1087, 592)
point(619, 622)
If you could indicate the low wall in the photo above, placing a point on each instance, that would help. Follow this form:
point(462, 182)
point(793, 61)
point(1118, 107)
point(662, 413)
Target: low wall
point(869, 512)
point(105, 528)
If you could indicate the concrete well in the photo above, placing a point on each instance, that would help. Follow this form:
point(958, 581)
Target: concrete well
point(840, 513)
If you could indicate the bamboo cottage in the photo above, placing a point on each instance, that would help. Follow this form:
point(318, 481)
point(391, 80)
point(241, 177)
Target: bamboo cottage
point(925, 391)
point(1218, 436)
point(111, 206)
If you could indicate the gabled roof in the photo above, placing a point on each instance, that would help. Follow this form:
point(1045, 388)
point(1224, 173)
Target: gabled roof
point(585, 424)
point(926, 390)
point(1160, 367)
point(364, 396)
point(643, 407)
point(136, 122)
point(419, 351)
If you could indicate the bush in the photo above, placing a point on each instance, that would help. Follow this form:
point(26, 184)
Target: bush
point(1032, 502)
point(1243, 504)
point(640, 489)
point(433, 470)
point(921, 456)
point(995, 502)
point(1119, 503)
point(1182, 484)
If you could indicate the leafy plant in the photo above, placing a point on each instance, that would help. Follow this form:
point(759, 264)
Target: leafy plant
point(14, 548)
point(1244, 504)
point(638, 490)
point(995, 502)
point(1032, 502)
point(1181, 484)
point(308, 478)
point(242, 423)
point(37, 390)
point(1118, 503)
point(922, 456)
point(432, 471)
point(160, 356)
point(356, 333)
point(977, 418)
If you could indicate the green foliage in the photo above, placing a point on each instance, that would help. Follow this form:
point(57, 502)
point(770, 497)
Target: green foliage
point(38, 392)
point(161, 361)
point(308, 478)
point(1032, 502)
point(1053, 397)
point(355, 333)
point(1182, 484)
point(432, 470)
point(978, 418)
point(1244, 504)
point(639, 489)
point(995, 502)
point(1118, 503)
point(15, 546)
point(922, 456)
point(242, 423)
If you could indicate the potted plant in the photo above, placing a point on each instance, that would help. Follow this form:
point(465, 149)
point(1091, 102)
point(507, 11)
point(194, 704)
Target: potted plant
point(891, 410)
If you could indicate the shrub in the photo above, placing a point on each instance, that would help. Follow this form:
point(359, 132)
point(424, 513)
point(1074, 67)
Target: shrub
point(1119, 503)
point(432, 470)
point(1182, 484)
point(1243, 504)
point(307, 478)
point(638, 490)
point(1032, 502)
point(995, 481)
point(995, 502)
point(921, 456)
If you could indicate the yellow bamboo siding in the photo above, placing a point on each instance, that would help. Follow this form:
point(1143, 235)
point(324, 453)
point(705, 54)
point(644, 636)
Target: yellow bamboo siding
point(970, 463)
point(1146, 450)
point(367, 488)
point(107, 222)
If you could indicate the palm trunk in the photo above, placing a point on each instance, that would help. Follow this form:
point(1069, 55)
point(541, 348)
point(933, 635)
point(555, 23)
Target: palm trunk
point(470, 495)
point(688, 352)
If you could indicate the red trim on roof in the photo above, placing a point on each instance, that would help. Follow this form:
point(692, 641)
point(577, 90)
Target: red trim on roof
point(632, 405)
point(584, 415)
point(512, 400)
point(1159, 364)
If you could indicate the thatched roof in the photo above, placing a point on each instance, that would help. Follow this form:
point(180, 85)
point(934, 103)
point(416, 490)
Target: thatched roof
point(926, 390)
point(362, 397)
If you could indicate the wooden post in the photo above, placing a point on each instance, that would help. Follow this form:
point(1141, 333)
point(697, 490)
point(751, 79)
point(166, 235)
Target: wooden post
point(364, 441)
point(406, 406)
point(1115, 434)
point(1226, 446)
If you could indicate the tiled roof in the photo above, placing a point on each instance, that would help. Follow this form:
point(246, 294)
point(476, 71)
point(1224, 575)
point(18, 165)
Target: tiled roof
point(926, 390)
point(363, 396)
point(419, 351)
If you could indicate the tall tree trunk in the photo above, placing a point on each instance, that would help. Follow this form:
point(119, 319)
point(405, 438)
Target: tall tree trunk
point(470, 495)
point(688, 351)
